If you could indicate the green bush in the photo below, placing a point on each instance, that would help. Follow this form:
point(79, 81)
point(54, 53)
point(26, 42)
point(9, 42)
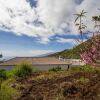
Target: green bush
point(23, 69)
point(10, 73)
point(3, 74)
point(55, 69)
point(85, 68)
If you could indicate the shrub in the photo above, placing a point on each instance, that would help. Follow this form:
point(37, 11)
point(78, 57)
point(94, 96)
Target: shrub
point(9, 73)
point(23, 69)
point(85, 68)
point(55, 69)
point(7, 92)
point(3, 74)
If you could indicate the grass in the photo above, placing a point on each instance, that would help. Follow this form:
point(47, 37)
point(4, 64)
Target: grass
point(85, 68)
point(7, 92)
point(51, 75)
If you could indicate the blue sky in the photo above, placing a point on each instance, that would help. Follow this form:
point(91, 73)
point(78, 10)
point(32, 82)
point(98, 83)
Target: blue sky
point(37, 27)
point(12, 45)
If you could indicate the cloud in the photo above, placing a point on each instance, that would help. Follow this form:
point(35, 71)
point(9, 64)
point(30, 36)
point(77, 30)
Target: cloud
point(44, 18)
point(63, 40)
point(71, 41)
point(54, 13)
point(43, 40)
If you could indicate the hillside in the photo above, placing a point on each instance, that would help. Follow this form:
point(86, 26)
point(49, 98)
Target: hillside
point(69, 53)
point(75, 51)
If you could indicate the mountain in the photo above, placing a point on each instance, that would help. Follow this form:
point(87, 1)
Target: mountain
point(74, 53)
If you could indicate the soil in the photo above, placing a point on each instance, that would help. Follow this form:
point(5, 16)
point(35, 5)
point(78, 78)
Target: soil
point(60, 88)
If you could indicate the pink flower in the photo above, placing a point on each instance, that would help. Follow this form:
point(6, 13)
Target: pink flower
point(91, 55)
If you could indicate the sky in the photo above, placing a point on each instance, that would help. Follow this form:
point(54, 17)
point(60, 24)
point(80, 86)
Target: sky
point(38, 27)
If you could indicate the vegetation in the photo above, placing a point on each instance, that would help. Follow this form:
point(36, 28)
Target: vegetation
point(53, 84)
point(23, 70)
point(74, 53)
point(3, 74)
point(55, 69)
point(85, 68)
point(92, 52)
point(80, 24)
point(7, 92)
point(88, 51)
point(20, 70)
point(60, 85)
point(68, 54)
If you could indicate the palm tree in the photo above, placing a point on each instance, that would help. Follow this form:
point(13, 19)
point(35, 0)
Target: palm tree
point(80, 25)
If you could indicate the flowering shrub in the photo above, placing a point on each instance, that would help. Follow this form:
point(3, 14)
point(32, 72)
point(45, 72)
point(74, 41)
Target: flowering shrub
point(90, 54)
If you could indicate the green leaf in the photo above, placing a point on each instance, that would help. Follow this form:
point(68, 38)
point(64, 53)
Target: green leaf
point(76, 19)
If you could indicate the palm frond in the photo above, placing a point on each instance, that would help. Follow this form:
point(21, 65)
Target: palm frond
point(76, 19)
point(77, 14)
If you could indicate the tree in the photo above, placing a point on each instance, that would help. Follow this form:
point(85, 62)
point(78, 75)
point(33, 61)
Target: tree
point(79, 23)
